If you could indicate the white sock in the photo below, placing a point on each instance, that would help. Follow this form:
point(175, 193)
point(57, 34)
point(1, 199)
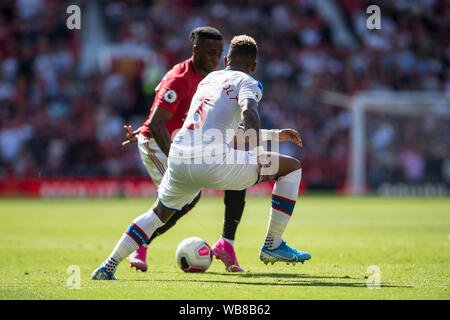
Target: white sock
point(137, 234)
point(284, 196)
point(124, 247)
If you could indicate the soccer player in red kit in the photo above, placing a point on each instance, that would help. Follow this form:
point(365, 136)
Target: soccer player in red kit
point(167, 114)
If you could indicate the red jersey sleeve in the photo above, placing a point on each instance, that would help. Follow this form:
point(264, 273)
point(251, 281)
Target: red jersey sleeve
point(169, 94)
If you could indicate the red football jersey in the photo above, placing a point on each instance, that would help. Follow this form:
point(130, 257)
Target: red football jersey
point(174, 93)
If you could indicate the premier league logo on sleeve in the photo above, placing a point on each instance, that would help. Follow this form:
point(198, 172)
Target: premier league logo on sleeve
point(170, 96)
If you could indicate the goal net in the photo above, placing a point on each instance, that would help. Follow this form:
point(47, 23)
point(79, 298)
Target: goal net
point(399, 142)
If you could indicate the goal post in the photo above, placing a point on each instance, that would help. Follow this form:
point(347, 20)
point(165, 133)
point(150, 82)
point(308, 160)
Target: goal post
point(402, 103)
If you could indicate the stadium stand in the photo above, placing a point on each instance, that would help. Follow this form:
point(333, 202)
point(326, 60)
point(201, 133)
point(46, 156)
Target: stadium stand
point(60, 120)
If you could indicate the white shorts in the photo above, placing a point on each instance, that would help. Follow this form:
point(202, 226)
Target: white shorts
point(183, 181)
point(155, 161)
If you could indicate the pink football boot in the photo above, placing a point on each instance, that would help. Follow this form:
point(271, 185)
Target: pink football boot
point(138, 259)
point(225, 252)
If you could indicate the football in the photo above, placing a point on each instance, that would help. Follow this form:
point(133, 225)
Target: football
point(193, 255)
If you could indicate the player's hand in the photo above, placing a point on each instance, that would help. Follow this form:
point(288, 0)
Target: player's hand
point(131, 135)
point(290, 135)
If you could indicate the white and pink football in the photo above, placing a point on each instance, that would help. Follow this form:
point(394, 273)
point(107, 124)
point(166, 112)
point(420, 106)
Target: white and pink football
point(193, 255)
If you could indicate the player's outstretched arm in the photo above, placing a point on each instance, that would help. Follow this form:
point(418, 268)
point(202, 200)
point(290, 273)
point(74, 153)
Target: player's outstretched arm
point(250, 118)
point(252, 125)
point(157, 126)
point(241, 141)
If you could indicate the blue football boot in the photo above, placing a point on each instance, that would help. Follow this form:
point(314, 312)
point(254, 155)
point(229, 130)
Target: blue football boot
point(101, 274)
point(283, 253)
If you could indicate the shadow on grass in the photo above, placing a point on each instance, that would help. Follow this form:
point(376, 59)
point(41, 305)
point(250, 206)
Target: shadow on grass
point(285, 283)
point(278, 279)
point(277, 275)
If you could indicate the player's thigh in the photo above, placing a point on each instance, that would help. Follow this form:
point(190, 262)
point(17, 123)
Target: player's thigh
point(154, 160)
point(177, 188)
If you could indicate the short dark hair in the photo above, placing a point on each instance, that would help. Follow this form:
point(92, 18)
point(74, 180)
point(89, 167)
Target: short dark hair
point(243, 45)
point(203, 33)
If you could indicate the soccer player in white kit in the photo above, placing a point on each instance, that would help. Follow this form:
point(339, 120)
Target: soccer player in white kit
point(201, 157)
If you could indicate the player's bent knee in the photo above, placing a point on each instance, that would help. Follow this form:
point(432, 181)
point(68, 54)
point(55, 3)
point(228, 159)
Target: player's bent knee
point(191, 205)
point(287, 165)
point(297, 165)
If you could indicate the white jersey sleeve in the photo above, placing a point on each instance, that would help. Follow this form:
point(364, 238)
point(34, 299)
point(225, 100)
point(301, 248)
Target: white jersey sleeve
point(250, 88)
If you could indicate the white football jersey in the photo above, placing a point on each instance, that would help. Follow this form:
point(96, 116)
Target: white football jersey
point(214, 114)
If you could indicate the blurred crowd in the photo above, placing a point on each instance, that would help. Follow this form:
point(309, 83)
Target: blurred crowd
point(56, 121)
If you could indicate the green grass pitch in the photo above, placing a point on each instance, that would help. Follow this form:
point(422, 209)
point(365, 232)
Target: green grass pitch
point(407, 239)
